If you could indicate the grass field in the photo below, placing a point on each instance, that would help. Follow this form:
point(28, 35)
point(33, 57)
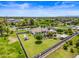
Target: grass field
point(33, 49)
point(10, 50)
point(61, 53)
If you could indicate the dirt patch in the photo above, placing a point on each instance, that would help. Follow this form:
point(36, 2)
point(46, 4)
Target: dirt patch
point(12, 39)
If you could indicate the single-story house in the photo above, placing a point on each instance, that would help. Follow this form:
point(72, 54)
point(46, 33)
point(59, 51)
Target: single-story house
point(39, 29)
point(13, 20)
point(52, 30)
point(61, 36)
point(77, 56)
point(75, 28)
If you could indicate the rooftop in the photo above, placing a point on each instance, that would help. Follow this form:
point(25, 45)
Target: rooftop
point(61, 35)
point(13, 20)
point(39, 29)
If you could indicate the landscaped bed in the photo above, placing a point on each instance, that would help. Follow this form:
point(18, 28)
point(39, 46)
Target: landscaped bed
point(61, 53)
point(32, 49)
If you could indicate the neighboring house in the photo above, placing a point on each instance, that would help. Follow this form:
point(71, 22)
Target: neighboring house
point(77, 56)
point(52, 30)
point(75, 27)
point(61, 36)
point(69, 22)
point(13, 20)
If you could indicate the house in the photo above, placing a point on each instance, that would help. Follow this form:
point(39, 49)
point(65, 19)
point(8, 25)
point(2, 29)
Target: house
point(52, 30)
point(42, 30)
point(75, 28)
point(13, 20)
point(38, 30)
point(61, 36)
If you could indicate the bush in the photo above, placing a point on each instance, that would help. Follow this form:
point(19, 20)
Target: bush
point(70, 43)
point(38, 42)
point(78, 49)
point(71, 50)
point(65, 47)
point(27, 32)
point(55, 38)
point(38, 36)
point(11, 32)
point(77, 44)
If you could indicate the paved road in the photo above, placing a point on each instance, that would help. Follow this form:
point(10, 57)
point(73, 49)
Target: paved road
point(56, 46)
point(22, 46)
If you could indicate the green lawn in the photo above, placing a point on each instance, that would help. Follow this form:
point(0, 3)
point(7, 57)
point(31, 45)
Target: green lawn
point(10, 50)
point(33, 49)
point(61, 53)
point(21, 31)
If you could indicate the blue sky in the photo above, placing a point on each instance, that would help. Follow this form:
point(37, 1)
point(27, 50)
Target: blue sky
point(39, 8)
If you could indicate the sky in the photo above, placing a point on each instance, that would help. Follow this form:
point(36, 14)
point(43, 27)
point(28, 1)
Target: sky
point(39, 8)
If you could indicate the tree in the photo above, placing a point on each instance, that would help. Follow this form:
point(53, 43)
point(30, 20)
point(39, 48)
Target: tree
point(70, 31)
point(51, 34)
point(65, 46)
point(1, 30)
point(77, 44)
point(7, 30)
point(70, 42)
point(71, 50)
point(78, 49)
point(31, 22)
point(38, 36)
point(59, 31)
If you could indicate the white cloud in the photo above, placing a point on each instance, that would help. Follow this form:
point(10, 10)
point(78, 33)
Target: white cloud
point(57, 3)
point(23, 6)
point(73, 12)
point(21, 10)
point(14, 5)
point(3, 4)
point(38, 12)
point(64, 5)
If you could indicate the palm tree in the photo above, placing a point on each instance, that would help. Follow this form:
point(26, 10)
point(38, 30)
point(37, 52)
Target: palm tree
point(1, 27)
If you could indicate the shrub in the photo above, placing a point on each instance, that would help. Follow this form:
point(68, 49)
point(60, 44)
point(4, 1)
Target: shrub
point(78, 49)
point(38, 36)
point(11, 32)
point(70, 43)
point(71, 50)
point(65, 46)
point(77, 44)
point(38, 42)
